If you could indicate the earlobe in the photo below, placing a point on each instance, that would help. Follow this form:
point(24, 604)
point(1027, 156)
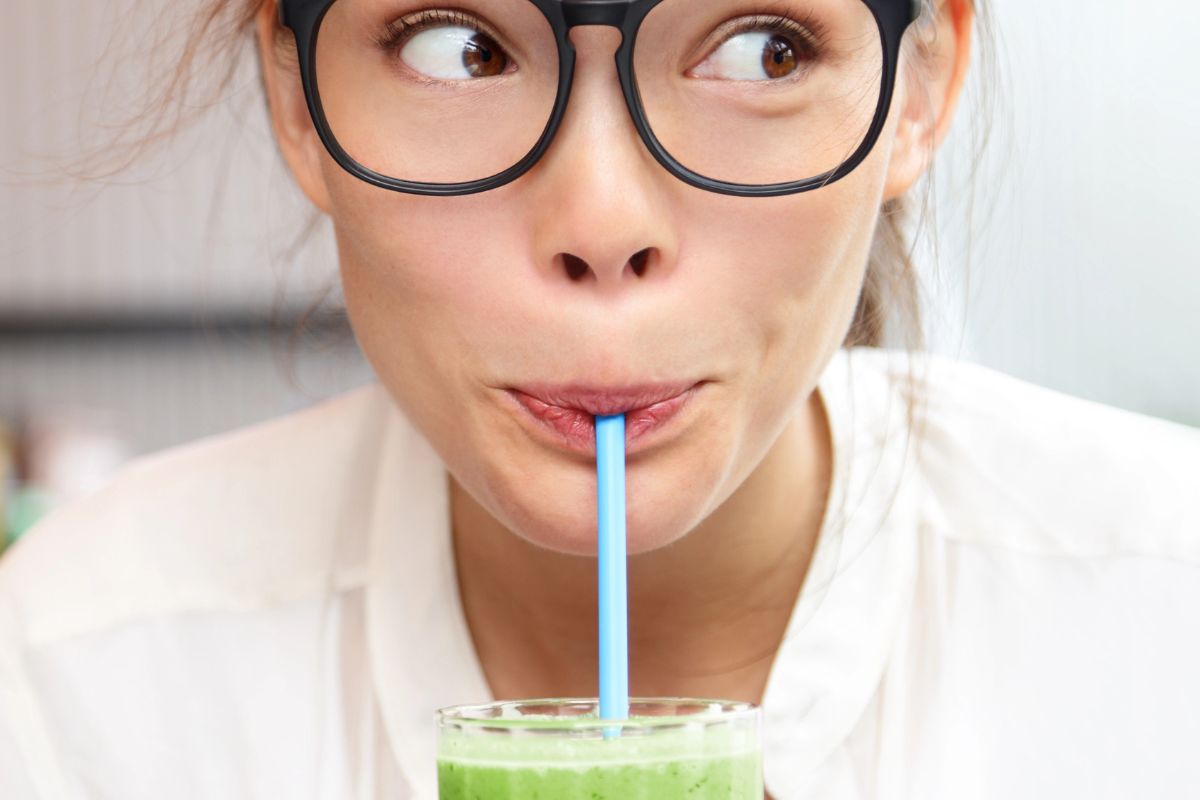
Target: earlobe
point(912, 146)
point(290, 121)
point(930, 92)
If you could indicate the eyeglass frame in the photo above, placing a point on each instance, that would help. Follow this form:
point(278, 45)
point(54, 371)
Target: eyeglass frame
point(303, 18)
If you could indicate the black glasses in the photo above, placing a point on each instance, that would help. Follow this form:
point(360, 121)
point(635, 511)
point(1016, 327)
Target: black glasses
point(743, 97)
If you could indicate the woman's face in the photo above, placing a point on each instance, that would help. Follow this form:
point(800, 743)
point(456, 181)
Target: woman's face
point(456, 301)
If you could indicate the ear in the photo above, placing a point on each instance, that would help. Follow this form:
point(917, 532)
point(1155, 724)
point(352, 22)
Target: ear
point(294, 130)
point(928, 91)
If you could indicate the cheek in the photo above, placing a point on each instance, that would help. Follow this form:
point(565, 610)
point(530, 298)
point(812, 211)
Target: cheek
point(411, 272)
point(416, 265)
point(790, 268)
point(787, 289)
point(408, 253)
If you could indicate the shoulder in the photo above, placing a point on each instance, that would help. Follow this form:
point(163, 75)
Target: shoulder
point(231, 520)
point(1007, 463)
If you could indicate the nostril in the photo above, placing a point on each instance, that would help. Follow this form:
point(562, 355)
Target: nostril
point(638, 262)
point(576, 267)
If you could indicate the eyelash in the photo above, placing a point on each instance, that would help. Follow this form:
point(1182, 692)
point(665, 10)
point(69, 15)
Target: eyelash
point(399, 30)
point(808, 33)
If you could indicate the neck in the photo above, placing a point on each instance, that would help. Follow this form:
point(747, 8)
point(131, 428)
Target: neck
point(707, 613)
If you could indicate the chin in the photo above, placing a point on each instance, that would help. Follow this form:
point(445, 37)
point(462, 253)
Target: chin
point(579, 538)
point(567, 523)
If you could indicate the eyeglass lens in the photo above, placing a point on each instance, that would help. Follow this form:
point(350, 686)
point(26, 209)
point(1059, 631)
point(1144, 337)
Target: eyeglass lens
point(740, 91)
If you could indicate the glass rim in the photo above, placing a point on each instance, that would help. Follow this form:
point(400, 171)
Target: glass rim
point(474, 716)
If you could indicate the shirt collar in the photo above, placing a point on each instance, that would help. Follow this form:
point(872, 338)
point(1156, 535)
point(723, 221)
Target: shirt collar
point(420, 649)
point(859, 585)
point(837, 642)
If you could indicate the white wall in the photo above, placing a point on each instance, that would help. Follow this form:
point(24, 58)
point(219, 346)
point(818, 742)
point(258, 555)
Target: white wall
point(1086, 277)
point(201, 225)
point(198, 230)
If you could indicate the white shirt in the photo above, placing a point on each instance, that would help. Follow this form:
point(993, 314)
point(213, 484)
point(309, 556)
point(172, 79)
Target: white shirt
point(1011, 610)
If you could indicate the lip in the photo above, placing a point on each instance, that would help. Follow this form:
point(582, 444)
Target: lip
point(567, 412)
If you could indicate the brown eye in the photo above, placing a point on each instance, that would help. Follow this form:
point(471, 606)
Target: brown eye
point(446, 46)
point(779, 58)
point(482, 57)
point(760, 50)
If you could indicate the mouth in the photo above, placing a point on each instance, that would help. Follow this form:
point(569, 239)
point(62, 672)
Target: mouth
point(565, 414)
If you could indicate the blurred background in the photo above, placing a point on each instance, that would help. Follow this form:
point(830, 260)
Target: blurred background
point(194, 292)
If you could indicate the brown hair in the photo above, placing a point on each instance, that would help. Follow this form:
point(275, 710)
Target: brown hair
point(889, 307)
point(219, 32)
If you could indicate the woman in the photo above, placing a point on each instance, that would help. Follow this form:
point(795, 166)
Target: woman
point(939, 581)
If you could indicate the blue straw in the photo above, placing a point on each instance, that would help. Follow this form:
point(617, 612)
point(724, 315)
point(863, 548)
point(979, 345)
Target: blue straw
point(614, 614)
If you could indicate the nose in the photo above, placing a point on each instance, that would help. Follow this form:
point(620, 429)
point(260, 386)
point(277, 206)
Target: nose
point(605, 225)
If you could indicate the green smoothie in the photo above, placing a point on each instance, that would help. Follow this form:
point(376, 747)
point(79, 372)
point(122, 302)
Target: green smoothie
point(679, 765)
